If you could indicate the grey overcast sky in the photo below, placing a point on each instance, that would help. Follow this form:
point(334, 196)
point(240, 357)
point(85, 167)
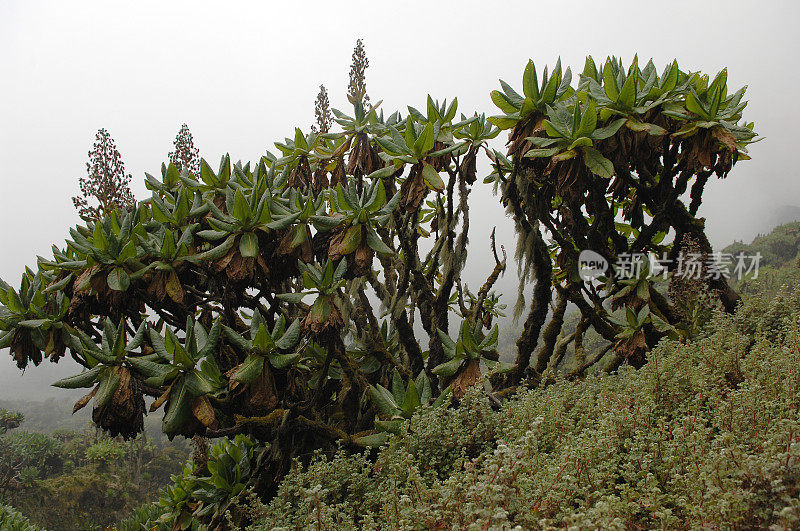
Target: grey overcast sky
point(244, 74)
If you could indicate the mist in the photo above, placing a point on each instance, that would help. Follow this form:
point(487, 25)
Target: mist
point(245, 75)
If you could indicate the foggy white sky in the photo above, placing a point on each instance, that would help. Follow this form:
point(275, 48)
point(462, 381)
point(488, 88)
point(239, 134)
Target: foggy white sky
point(244, 74)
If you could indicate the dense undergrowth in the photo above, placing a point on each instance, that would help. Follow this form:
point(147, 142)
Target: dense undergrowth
point(706, 434)
point(13, 520)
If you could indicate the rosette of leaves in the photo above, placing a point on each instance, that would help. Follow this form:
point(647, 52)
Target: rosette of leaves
point(643, 305)
point(638, 289)
point(358, 217)
point(535, 98)
point(177, 501)
point(168, 251)
point(31, 319)
point(364, 158)
point(215, 181)
point(633, 93)
point(300, 213)
point(298, 154)
point(430, 212)
point(113, 258)
point(711, 119)
point(178, 201)
point(440, 117)
point(264, 346)
point(248, 214)
point(9, 420)
point(170, 179)
point(362, 348)
point(631, 339)
point(188, 371)
point(325, 282)
point(118, 405)
point(400, 404)
point(207, 492)
point(416, 147)
point(466, 354)
point(173, 180)
point(476, 131)
point(229, 467)
point(571, 135)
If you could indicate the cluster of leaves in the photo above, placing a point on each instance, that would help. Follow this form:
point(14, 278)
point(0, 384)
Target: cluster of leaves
point(207, 492)
point(12, 520)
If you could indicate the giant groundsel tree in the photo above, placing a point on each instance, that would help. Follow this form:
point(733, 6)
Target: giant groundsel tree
point(314, 296)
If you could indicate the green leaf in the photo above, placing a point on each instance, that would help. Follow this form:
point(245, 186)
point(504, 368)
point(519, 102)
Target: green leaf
point(283, 222)
point(220, 250)
point(448, 368)
point(609, 130)
point(241, 210)
point(84, 379)
point(542, 152)
point(149, 369)
point(351, 240)
point(34, 323)
point(432, 178)
point(118, 279)
point(181, 357)
point(197, 385)
point(108, 387)
point(500, 99)
point(211, 340)
point(597, 163)
point(610, 82)
point(373, 440)
point(530, 84)
point(425, 141)
point(248, 245)
point(390, 426)
point(289, 338)
point(448, 344)
point(588, 120)
point(281, 361)
point(383, 399)
point(376, 243)
point(179, 409)
point(692, 105)
point(236, 340)
point(581, 142)
point(627, 96)
point(292, 298)
point(412, 400)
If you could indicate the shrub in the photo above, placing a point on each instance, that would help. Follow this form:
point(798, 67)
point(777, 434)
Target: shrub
point(11, 520)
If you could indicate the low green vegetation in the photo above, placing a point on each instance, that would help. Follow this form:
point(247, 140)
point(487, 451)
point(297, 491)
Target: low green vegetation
point(706, 434)
point(78, 479)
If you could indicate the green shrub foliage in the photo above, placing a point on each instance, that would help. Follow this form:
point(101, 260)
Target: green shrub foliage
point(11, 520)
point(705, 435)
